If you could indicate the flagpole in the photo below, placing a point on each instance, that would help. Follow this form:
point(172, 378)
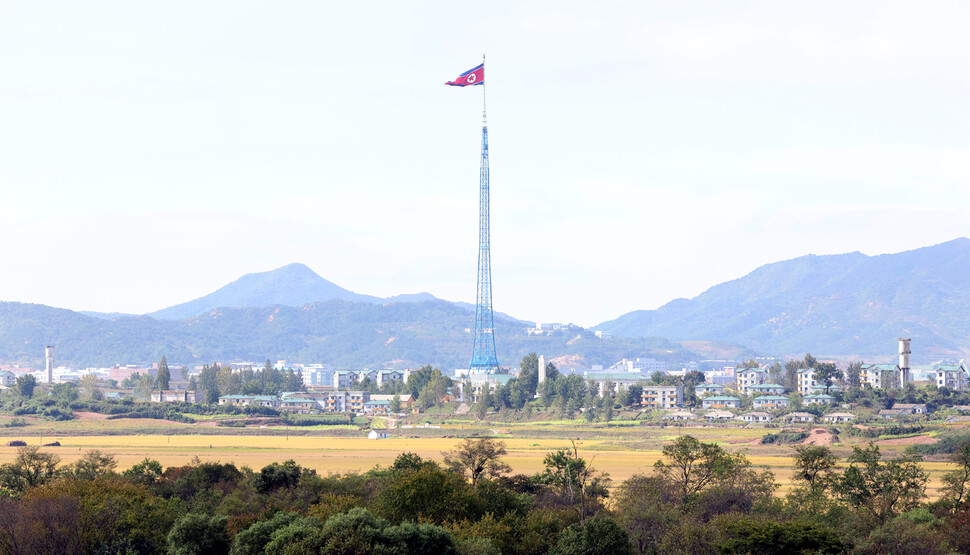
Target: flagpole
point(484, 121)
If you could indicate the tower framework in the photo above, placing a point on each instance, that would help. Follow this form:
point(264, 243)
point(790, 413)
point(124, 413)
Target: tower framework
point(484, 358)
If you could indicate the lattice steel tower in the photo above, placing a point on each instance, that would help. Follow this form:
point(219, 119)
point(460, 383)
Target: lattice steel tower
point(483, 353)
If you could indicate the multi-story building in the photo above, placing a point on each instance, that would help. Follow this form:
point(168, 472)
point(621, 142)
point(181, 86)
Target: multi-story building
point(350, 378)
point(878, 376)
point(662, 396)
point(747, 377)
point(346, 401)
point(7, 378)
point(615, 380)
point(952, 376)
point(806, 381)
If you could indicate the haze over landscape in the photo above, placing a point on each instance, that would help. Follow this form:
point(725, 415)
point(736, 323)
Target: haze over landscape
point(700, 285)
point(640, 152)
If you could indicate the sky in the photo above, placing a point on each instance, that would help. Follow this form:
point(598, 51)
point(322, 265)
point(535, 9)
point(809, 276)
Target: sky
point(151, 152)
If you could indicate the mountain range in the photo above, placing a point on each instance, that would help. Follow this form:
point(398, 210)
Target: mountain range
point(845, 304)
point(849, 305)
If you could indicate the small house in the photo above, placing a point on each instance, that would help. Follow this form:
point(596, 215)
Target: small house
point(378, 434)
point(838, 417)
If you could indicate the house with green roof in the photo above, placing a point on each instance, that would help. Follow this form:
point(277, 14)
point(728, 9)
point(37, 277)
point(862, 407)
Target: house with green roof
point(721, 402)
point(766, 389)
point(821, 399)
point(250, 400)
point(770, 402)
point(954, 377)
point(705, 389)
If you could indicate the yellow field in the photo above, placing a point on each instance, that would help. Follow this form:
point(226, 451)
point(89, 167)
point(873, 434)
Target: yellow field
point(337, 454)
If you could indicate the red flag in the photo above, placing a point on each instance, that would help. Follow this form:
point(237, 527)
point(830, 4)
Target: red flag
point(474, 76)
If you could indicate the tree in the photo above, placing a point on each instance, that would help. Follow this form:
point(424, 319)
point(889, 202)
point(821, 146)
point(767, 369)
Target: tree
point(209, 382)
point(26, 385)
point(89, 384)
point(691, 465)
point(791, 375)
point(164, 376)
point(776, 373)
point(826, 372)
point(575, 480)
point(592, 537)
point(395, 405)
point(275, 476)
point(853, 373)
point(478, 457)
point(31, 467)
point(483, 403)
point(956, 482)
point(253, 540)
point(815, 465)
point(147, 472)
point(884, 488)
point(198, 534)
point(93, 465)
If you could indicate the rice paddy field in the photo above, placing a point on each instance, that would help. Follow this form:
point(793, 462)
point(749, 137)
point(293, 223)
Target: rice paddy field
point(621, 449)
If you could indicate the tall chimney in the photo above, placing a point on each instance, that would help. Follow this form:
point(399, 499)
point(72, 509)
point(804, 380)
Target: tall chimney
point(542, 368)
point(49, 355)
point(904, 353)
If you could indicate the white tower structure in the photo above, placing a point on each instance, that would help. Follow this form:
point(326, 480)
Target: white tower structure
point(542, 368)
point(49, 355)
point(904, 353)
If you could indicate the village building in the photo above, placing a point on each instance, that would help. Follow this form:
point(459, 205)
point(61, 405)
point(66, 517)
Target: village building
point(755, 417)
point(174, 396)
point(816, 399)
point(379, 408)
point(952, 376)
point(838, 417)
point(747, 377)
point(615, 380)
point(706, 389)
point(911, 408)
point(766, 389)
point(662, 396)
point(800, 417)
point(718, 415)
point(300, 405)
point(250, 400)
point(721, 402)
point(806, 380)
point(770, 402)
point(679, 415)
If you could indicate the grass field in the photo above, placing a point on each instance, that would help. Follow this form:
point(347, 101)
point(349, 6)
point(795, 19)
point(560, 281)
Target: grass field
point(621, 449)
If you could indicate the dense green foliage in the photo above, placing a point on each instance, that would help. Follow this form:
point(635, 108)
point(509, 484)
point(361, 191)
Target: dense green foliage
point(698, 498)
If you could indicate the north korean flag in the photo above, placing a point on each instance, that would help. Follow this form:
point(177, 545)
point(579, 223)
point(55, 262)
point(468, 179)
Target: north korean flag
point(474, 76)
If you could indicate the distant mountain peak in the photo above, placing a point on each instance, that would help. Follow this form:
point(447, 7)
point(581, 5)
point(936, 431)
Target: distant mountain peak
point(848, 303)
point(294, 284)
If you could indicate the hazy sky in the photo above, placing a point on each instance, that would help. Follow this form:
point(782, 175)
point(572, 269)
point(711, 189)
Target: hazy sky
point(640, 151)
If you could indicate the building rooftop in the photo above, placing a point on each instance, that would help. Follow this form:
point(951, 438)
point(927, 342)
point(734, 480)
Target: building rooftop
point(721, 398)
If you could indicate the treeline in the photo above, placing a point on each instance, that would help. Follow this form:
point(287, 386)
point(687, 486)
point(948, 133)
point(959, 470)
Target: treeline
point(698, 498)
point(215, 381)
point(570, 394)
